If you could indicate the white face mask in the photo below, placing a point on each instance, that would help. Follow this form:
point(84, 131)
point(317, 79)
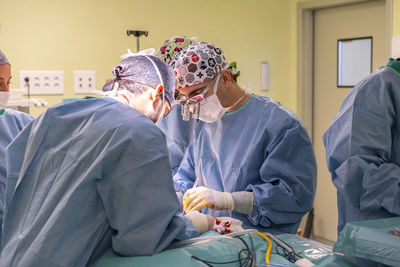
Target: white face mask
point(211, 109)
point(4, 96)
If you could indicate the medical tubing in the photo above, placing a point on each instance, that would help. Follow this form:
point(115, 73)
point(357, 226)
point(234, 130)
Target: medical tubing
point(267, 255)
point(253, 249)
point(280, 242)
point(288, 251)
point(243, 202)
point(249, 253)
point(290, 256)
point(243, 262)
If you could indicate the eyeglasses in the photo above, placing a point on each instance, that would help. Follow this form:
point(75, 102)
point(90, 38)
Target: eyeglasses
point(192, 104)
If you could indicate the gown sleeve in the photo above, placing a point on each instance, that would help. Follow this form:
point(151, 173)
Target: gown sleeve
point(360, 145)
point(288, 176)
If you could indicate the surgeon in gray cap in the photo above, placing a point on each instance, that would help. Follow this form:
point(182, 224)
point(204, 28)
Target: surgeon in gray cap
point(96, 176)
point(11, 123)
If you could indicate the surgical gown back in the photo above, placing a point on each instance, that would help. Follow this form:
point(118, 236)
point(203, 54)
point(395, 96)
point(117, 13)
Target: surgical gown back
point(262, 147)
point(363, 148)
point(11, 123)
point(91, 173)
point(179, 134)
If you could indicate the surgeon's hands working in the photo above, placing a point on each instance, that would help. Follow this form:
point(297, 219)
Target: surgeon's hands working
point(202, 222)
point(203, 197)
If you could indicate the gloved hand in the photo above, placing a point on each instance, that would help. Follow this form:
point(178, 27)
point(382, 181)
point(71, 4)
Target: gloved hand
point(203, 197)
point(201, 222)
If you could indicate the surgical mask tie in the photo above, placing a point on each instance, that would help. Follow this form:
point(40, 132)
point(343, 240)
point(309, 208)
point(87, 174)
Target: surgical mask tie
point(4, 96)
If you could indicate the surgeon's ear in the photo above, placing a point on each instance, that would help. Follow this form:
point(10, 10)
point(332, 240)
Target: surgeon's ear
point(157, 94)
point(225, 77)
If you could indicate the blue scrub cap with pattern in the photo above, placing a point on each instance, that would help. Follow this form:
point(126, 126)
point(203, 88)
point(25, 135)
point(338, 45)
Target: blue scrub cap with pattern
point(147, 70)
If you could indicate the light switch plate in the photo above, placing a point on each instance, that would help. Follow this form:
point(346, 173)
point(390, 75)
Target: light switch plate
point(42, 82)
point(84, 81)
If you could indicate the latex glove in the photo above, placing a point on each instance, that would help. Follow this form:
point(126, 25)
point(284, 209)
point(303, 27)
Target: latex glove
point(203, 197)
point(201, 222)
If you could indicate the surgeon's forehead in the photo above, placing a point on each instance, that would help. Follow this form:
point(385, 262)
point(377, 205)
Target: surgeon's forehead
point(194, 89)
point(5, 71)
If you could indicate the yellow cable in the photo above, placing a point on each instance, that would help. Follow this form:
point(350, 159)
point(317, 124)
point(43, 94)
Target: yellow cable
point(269, 246)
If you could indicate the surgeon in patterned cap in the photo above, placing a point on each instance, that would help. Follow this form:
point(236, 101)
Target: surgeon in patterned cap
point(178, 132)
point(250, 158)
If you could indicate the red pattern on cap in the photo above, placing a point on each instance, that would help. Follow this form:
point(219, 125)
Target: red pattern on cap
point(195, 58)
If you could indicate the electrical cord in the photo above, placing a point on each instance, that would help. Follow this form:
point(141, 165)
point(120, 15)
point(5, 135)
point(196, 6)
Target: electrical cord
point(290, 256)
point(247, 256)
point(244, 261)
point(253, 249)
point(288, 251)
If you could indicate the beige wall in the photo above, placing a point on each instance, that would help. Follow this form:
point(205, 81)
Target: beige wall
point(396, 17)
point(91, 35)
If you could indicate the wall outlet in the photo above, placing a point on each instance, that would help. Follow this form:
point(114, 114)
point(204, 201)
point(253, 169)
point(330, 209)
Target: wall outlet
point(42, 82)
point(84, 81)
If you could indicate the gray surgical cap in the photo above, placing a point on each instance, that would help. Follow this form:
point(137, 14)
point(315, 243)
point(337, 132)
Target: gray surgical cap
point(3, 59)
point(147, 70)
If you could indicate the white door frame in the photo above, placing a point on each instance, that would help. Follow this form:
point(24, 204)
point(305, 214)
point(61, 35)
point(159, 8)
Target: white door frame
point(305, 23)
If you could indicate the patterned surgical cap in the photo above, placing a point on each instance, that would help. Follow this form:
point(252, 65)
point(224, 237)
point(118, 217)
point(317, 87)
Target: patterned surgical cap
point(198, 62)
point(170, 48)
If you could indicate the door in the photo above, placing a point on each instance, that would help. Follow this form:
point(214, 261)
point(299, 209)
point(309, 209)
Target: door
point(330, 25)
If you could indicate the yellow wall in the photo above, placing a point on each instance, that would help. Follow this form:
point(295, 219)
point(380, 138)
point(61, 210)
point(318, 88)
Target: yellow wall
point(91, 35)
point(396, 17)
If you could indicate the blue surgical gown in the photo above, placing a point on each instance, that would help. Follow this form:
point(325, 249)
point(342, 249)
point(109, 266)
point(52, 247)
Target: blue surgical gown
point(11, 123)
point(363, 148)
point(263, 148)
point(94, 175)
point(179, 134)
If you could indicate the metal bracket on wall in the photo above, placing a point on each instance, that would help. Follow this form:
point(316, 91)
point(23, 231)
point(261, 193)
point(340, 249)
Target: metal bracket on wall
point(137, 34)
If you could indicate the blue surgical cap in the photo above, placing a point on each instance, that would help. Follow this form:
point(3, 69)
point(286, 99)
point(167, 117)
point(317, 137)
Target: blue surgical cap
point(3, 59)
point(148, 70)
